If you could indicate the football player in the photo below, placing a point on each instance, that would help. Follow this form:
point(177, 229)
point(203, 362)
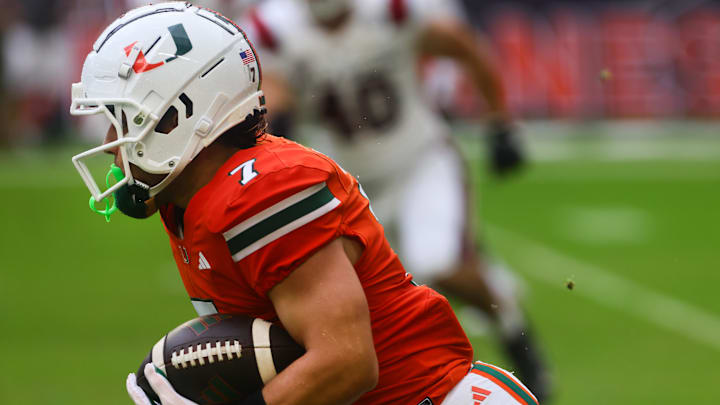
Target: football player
point(262, 226)
point(349, 69)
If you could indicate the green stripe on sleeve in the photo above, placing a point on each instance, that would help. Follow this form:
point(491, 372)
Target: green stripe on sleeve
point(280, 219)
point(507, 381)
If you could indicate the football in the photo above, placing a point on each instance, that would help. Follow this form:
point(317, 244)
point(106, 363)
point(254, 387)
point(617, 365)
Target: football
point(220, 359)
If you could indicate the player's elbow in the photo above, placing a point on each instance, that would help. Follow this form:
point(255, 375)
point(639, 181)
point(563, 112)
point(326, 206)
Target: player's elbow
point(371, 372)
point(359, 365)
point(365, 369)
point(373, 376)
point(349, 370)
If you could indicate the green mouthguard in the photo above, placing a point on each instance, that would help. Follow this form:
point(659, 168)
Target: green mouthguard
point(117, 173)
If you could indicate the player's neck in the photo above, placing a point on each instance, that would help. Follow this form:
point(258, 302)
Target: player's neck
point(337, 23)
point(196, 175)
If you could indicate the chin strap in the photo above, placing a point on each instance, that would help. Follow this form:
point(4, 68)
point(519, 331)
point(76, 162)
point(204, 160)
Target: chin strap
point(117, 173)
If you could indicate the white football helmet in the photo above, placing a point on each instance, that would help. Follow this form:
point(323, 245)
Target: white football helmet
point(173, 62)
point(216, 5)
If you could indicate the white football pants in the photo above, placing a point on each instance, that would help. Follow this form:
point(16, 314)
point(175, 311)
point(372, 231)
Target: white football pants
point(424, 212)
point(486, 384)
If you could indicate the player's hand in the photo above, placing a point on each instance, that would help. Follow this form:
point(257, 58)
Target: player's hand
point(505, 151)
point(159, 384)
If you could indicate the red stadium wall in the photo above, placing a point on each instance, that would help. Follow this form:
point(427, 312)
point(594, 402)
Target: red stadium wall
point(621, 63)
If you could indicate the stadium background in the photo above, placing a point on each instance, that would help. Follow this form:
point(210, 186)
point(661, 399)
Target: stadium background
point(617, 104)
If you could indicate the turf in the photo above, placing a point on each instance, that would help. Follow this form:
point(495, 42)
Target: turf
point(652, 222)
point(83, 301)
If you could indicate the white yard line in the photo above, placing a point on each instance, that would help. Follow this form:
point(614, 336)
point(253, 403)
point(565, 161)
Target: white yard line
point(602, 286)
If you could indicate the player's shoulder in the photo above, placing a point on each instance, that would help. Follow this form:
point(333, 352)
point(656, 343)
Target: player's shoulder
point(270, 176)
point(282, 154)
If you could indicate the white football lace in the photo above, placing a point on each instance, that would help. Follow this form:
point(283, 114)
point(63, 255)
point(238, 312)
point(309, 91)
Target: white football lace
point(198, 355)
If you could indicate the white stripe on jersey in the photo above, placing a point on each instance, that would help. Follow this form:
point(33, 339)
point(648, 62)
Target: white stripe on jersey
point(298, 198)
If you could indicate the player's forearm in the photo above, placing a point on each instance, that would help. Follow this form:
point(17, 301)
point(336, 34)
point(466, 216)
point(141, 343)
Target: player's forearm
point(321, 376)
point(488, 82)
point(475, 57)
point(458, 42)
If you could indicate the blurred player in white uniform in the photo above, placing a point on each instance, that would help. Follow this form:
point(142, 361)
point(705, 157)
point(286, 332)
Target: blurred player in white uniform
point(348, 71)
point(225, 7)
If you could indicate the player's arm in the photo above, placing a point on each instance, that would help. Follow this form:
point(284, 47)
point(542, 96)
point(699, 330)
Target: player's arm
point(323, 306)
point(455, 40)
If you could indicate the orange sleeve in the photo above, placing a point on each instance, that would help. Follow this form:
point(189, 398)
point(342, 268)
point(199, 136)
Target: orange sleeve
point(280, 221)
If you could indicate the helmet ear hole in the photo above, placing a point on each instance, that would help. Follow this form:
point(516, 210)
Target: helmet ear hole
point(168, 122)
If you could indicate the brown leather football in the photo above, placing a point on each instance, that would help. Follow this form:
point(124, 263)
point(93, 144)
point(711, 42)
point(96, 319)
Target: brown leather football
point(220, 359)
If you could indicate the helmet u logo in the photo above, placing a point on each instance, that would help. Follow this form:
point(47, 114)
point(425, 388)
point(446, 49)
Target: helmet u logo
point(182, 46)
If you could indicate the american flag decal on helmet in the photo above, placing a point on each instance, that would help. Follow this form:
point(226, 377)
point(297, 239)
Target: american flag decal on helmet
point(247, 57)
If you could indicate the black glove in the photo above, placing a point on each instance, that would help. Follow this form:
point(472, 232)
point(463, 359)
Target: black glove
point(506, 155)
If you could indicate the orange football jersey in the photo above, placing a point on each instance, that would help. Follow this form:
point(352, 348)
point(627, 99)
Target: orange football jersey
point(268, 209)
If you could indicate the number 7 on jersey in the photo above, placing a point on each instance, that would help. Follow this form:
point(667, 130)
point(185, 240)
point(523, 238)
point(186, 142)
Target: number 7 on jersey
point(248, 171)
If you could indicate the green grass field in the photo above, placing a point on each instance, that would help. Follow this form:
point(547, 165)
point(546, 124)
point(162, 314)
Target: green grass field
point(82, 301)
